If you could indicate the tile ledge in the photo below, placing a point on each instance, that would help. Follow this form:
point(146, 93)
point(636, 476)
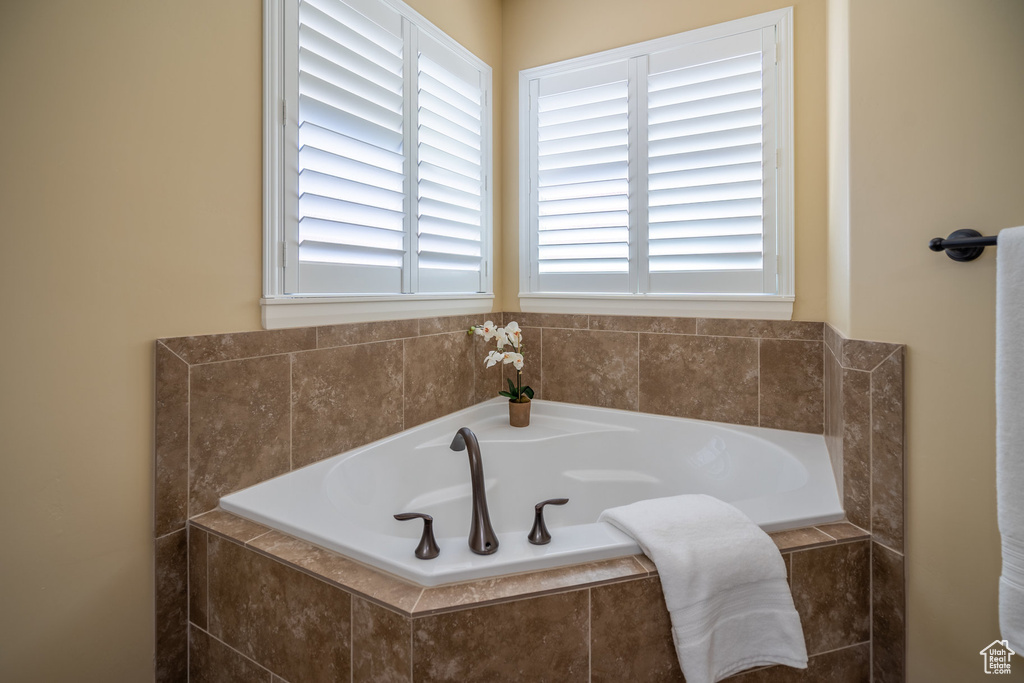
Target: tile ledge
point(545, 581)
point(488, 591)
point(805, 538)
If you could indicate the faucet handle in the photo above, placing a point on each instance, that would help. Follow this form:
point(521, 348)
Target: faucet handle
point(539, 533)
point(427, 549)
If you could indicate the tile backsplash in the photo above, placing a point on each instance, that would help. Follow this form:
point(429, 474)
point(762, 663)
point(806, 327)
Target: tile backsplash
point(236, 409)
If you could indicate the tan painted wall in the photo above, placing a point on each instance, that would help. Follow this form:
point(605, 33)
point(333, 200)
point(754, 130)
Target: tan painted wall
point(130, 203)
point(543, 31)
point(838, 280)
point(937, 92)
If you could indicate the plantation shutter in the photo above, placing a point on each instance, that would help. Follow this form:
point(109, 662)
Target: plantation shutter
point(580, 190)
point(656, 171)
point(351, 232)
point(450, 171)
point(708, 146)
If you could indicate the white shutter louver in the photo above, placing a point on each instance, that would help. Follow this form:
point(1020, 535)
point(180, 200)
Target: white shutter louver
point(705, 159)
point(450, 171)
point(351, 223)
point(377, 154)
point(582, 172)
point(655, 168)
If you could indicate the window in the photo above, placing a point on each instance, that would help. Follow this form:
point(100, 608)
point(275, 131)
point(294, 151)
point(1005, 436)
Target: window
point(661, 172)
point(377, 163)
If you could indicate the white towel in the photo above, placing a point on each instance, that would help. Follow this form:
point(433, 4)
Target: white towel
point(724, 583)
point(1010, 430)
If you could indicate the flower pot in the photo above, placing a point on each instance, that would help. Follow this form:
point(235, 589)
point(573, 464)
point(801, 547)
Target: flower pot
point(519, 413)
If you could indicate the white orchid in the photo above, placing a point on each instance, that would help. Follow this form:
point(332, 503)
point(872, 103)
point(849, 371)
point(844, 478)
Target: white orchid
point(510, 335)
point(486, 330)
point(514, 334)
point(502, 338)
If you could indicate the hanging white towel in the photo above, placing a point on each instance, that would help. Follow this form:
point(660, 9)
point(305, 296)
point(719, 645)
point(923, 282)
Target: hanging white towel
point(724, 583)
point(1010, 430)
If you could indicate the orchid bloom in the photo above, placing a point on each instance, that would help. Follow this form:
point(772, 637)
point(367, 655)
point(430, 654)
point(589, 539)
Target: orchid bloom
point(502, 338)
point(486, 330)
point(514, 334)
point(508, 336)
point(514, 358)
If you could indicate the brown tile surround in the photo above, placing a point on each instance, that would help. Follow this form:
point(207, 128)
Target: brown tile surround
point(864, 433)
point(229, 408)
point(276, 603)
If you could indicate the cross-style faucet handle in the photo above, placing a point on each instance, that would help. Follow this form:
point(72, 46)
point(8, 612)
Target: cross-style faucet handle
point(539, 533)
point(427, 549)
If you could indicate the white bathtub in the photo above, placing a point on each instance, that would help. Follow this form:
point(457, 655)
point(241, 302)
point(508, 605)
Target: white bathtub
point(595, 457)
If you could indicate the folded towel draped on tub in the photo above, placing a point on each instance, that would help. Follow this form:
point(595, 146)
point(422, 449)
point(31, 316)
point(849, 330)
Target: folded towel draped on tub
point(1010, 430)
point(724, 583)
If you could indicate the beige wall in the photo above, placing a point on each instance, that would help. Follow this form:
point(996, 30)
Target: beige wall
point(838, 280)
point(937, 92)
point(130, 187)
point(543, 31)
point(130, 201)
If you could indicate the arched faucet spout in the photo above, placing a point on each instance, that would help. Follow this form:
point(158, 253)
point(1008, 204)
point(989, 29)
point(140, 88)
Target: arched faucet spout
point(482, 539)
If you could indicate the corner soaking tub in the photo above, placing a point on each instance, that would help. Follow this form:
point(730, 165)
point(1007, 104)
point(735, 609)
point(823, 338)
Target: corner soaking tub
point(597, 458)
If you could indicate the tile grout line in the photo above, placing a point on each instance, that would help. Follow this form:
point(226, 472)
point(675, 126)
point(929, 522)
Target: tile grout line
point(881, 362)
point(892, 550)
point(237, 651)
point(159, 343)
point(590, 635)
point(188, 603)
point(871, 611)
point(411, 650)
point(871, 453)
point(403, 379)
point(351, 638)
point(207, 536)
point(171, 351)
point(291, 412)
point(238, 359)
point(794, 551)
point(541, 332)
point(171, 533)
point(758, 381)
point(256, 538)
point(521, 597)
point(188, 446)
point(840, 649)
point(419, 597)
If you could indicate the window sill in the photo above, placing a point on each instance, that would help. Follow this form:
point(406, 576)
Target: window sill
point(761, 307)
point(308, 311)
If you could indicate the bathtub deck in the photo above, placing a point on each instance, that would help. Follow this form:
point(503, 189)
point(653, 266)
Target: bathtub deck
point(413, 600)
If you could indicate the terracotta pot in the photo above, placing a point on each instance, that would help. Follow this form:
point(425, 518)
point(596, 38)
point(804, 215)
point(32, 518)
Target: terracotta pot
point(519, 413)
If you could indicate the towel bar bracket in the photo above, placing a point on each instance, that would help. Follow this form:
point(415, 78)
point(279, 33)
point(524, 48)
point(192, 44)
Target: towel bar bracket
point(962, 245)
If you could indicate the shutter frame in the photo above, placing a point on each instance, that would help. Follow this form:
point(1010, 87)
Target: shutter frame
point(451, 223)
point(769, 282)
point(328, 87)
